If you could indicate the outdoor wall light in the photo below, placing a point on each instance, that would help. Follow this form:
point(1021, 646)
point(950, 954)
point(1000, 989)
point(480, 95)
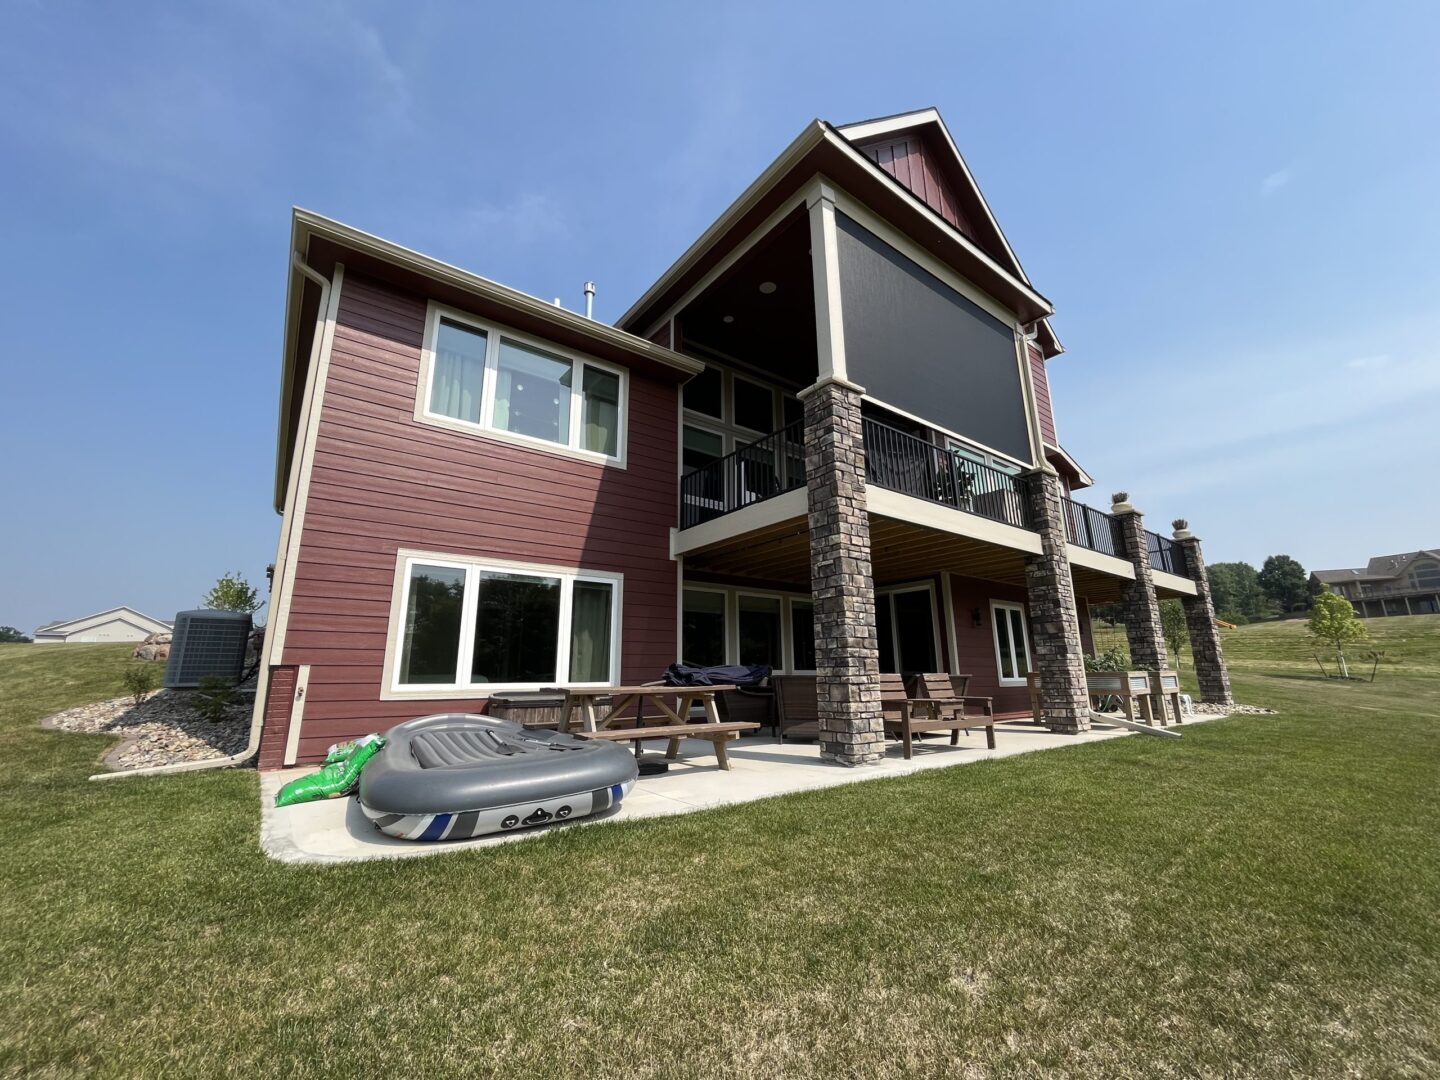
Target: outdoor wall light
point(976, 618)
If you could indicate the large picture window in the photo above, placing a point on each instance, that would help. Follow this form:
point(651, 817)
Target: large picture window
point(1012, 642)
point(481, 378)
point(467, 625)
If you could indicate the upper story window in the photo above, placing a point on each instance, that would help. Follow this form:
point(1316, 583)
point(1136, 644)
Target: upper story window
point(1425, 575)
point(481, 378)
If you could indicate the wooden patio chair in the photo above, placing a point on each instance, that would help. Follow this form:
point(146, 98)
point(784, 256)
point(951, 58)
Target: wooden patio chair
point(797, 706)
point(949, 690)
point(905, 716)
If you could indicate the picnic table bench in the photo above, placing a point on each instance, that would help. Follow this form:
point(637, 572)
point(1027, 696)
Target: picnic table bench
point(675, 723)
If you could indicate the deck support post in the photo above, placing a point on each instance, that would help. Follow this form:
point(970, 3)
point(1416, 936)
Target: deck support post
point(1057, 652)
point(1210, 670)
point(1143, 629)
point(842, 585)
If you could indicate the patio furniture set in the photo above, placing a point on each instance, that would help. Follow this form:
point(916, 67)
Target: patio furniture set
point(921, 705)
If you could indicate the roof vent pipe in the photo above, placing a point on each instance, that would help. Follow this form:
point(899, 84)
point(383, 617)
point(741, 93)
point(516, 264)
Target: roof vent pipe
point(589, 299)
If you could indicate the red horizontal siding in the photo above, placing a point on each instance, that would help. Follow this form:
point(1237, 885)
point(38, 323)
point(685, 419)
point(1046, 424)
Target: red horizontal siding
point(1041, 380)
point(279, 697)
point(975, 645)
point(381, 481)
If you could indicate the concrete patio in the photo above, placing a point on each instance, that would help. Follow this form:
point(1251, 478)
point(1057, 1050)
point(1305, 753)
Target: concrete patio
point(335, 831)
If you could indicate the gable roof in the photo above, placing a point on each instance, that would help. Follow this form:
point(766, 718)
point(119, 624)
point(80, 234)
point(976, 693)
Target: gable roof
point(137, 618)
point(1380, 568)
point(822, 149)
point(928, 124)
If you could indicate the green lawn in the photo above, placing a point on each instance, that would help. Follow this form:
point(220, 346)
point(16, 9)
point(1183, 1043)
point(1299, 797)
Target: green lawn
point(1259, 898)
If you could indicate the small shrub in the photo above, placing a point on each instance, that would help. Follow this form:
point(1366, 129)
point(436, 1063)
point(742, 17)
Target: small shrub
point(138, 680)
point(214, 695)
point(1115, 658)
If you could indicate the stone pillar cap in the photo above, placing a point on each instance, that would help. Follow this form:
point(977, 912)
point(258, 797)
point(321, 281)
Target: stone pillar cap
point(826, 381)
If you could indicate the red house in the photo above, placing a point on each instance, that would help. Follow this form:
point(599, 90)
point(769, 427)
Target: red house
point(823, 440)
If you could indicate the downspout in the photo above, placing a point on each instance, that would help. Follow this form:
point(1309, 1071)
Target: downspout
point(262, 683)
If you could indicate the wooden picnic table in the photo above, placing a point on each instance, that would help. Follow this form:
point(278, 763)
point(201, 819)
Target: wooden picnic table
point(716, 732)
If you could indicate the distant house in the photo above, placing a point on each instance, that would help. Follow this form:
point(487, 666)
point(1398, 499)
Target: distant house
point(117, 624)
point(1407, 584)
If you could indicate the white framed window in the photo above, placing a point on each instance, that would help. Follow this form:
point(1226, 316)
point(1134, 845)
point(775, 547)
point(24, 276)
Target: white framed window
point(483, 379)
point(466, 626)
point(726, 625)
point(1012, 642)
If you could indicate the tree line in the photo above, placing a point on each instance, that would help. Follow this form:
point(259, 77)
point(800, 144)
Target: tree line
point(1240, 593)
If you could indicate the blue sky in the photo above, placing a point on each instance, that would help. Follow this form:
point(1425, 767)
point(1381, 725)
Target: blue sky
point(1233, 206)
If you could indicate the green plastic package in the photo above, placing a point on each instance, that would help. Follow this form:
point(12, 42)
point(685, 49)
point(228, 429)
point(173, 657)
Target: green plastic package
point(335, 779)
point(341, 751)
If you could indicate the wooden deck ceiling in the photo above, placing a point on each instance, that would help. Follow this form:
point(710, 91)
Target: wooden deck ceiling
point(900, 551)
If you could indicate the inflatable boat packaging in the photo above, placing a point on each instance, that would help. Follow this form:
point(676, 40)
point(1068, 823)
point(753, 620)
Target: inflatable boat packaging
point(334, 780)
point(454, 776)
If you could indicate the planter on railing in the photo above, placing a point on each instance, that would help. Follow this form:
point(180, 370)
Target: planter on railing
point(1090, 528)
point(753, 473)
point(1165, 554)
point(900, 462)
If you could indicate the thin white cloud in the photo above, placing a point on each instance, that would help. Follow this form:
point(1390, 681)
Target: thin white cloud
point(1276, 180)
point(1368, 363)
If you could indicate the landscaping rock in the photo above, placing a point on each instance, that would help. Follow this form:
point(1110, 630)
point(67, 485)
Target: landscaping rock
point(164, 729)
point(154, 647)
point(1210, 708)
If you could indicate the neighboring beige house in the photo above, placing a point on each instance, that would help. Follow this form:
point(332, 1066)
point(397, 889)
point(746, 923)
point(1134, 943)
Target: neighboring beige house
point(1406, 584)
point(117, 624)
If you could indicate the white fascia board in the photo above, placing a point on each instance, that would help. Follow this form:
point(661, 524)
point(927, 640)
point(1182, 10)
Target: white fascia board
point(1173, 582)
point(793, 504)
point(892, 504)
point(1097, 560)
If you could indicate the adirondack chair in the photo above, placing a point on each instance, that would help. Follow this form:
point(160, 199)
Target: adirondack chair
point(797, 709)
point(949, 690)
point(905, 716)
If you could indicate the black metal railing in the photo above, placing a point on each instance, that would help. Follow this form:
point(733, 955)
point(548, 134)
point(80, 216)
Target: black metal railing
point(753, 473)
point(1165, 554)
point(1090, 528)
point(911, 466)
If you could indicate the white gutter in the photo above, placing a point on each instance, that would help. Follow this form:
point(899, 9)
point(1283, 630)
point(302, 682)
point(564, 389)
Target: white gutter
point(262, 683)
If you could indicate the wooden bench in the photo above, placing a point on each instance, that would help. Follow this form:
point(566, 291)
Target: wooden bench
point(908, 716)
point(716, 734)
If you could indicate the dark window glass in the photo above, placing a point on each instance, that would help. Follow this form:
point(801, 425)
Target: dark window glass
point(703, 628)
point(794, 410)
point(915, 631)
point(885, 632)
point(760, 630)
point(699, 448)
point(517, 628)
point(802, 634)
point(705, 392)
point(431, 645)
point(754, 406)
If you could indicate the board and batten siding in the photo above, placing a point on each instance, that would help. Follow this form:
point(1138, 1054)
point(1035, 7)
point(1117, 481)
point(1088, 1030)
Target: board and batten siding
point(382, 481)
point(908, 160)
point(1041, 381)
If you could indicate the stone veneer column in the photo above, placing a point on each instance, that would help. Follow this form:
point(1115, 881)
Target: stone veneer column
point(843, 589)
point(1209, 658)
point(1143, 629)
point(1055, 648)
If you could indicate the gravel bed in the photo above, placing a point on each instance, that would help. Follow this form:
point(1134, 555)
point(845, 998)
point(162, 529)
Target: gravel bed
point(1210, 708)
point(163, 730)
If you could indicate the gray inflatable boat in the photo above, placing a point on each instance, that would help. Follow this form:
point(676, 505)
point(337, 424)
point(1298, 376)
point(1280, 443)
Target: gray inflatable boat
point(456, 775)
